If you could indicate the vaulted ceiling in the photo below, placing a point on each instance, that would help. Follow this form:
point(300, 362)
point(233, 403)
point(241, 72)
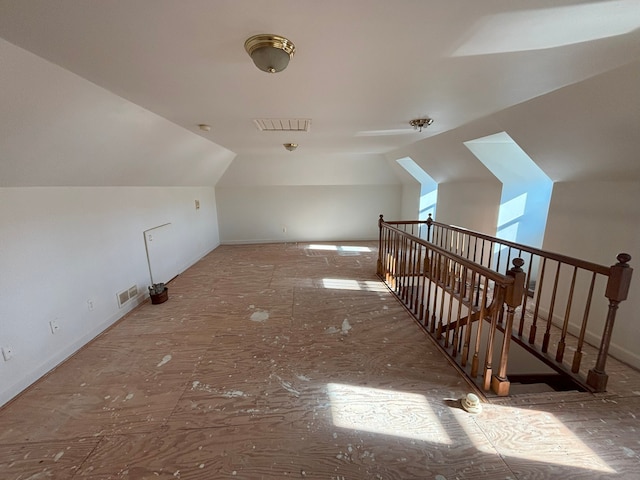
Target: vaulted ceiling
point(362, 68)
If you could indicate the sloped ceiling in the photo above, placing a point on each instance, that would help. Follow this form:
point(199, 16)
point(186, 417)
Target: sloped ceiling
point(362, 70)
point(585, 131)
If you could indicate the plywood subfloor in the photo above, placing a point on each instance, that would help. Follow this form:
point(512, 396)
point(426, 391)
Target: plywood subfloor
point(291, 361)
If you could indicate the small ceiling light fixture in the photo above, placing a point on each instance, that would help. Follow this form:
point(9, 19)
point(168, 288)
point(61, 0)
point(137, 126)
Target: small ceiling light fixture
point(290, 146)
point(420, 123)
point(204, 127)
point(270, 53)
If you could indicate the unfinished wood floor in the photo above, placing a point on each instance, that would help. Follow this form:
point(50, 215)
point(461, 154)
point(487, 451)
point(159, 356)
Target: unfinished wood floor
point(293, 361)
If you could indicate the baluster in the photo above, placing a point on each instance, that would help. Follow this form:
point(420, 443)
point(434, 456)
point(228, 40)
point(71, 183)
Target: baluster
point(428, 262)
point(452, 279)
point(386, 238)
point(388, 252)
point(418, 279)
point(405, 268)
point(456, 331)
point(533, 329)
point(390, 258)
point(493, 247)
point(434, 283)
point(419, 275)
point(429, 222)
point(400, 276)
point(617, 291)
point(409, 272)
point(396, 260)
point(380, 249)
point(498, 299)
point(424, 275)
point(525, 294)
point(565, 325)
point(467, 336)
point(547, 333)
point(577, 356)
point(442, 286)
point(466, 240)
point(475, 249)
point(475, 362)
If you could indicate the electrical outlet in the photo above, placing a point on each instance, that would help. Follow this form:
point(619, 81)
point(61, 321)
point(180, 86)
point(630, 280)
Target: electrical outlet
point(55, 326)
point(90, 305)
point(7, 353)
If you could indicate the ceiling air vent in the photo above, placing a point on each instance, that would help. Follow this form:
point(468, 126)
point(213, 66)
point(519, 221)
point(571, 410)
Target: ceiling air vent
point(283, 124)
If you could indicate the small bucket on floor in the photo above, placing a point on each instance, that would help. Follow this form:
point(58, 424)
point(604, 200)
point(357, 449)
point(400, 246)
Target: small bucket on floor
point(158, 293)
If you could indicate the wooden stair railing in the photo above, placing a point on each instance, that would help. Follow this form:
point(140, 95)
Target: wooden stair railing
point(550, 280)
point(444, 292)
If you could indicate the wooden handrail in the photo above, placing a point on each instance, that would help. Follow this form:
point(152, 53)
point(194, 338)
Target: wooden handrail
point(546, 286)
point(491, 274)
point(445, 291)
point(594, 267)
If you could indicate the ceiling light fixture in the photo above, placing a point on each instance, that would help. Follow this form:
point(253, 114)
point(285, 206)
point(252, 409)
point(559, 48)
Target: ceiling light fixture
point(270, 53)
point(204, 127)
point(420, 123)
point(290, 146)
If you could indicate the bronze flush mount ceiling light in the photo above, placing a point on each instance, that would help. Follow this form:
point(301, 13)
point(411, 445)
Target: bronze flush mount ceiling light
point(270, 53)
point(290, 146)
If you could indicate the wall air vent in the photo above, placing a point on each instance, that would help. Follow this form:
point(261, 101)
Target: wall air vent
point(127, 295)
point(133, 291)
point(283, 124)
point(123, 297)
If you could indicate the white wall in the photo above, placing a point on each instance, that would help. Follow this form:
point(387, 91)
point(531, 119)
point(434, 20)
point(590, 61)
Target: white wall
point(595, 221)
point(410, 209)
point(62, 246)
point(310, 213)
point(315, 198)
point(472, 205)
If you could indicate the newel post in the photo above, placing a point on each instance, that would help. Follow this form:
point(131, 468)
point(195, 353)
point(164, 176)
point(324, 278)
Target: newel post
point(617, 291)
point(380, 252)
point(429, 222)
point(513, 298)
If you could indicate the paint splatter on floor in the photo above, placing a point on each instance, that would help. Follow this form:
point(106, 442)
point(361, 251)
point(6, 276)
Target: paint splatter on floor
point(166, 359)
point(259, 316)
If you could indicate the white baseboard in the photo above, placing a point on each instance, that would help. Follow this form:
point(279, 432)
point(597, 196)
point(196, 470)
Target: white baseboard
point(60, 356)
point(593, 338)
point(63, 354)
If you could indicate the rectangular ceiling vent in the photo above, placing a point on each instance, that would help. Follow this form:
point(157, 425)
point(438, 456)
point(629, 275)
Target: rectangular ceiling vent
point(283, 124)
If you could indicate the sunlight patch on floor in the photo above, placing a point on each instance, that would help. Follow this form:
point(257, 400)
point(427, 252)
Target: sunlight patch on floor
point(387, 412)
point(347, 284)
point(339, 248)
point(548, 440)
